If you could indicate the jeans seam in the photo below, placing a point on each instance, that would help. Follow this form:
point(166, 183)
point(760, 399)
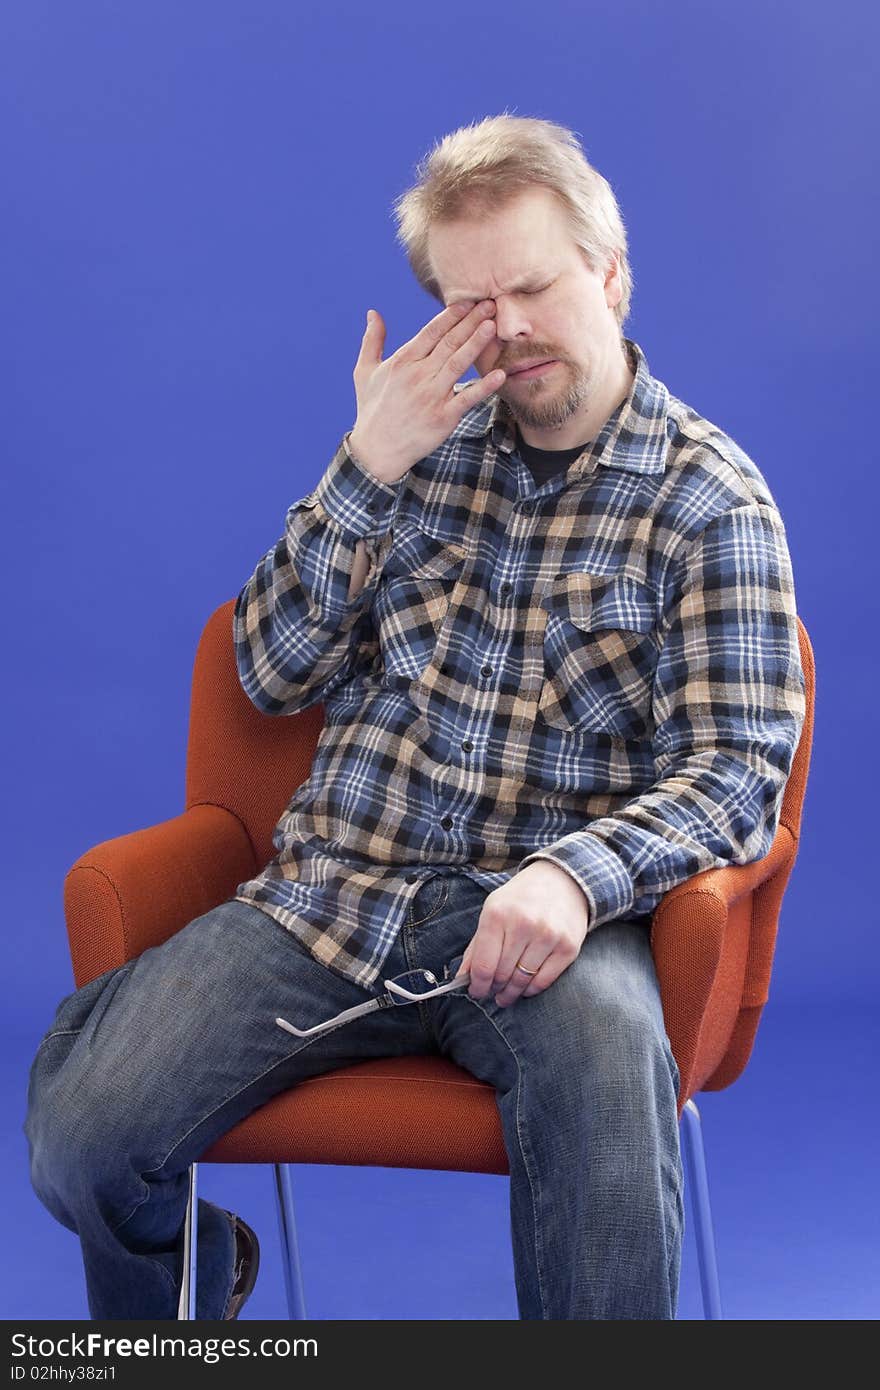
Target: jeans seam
point(252, 1082)
point(104, 1000)
point(538, 1243)
point(673, 1292)
point(423, 1009)
point(675, 1248)
point(59, 1033)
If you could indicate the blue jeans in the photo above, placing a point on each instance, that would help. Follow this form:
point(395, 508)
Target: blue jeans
point(147, 1065)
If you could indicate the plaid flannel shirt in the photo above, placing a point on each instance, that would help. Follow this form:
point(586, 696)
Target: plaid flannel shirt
point(603, 672)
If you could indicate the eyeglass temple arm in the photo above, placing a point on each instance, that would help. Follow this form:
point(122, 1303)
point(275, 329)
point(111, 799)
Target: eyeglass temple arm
point(340, 1018)
point(457, 983)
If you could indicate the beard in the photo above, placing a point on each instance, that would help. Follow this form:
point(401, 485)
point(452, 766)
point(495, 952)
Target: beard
point(538, 405)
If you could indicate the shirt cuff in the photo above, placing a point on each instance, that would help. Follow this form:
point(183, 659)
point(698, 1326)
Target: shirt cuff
point(596, 869)
point(358, 503)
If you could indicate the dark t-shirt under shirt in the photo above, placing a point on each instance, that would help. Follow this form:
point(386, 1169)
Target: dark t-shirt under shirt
point(545, 463)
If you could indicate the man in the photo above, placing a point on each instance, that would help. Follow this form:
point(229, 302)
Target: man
point(550, 615)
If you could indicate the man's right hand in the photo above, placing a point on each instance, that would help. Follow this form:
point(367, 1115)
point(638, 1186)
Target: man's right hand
point(406, 406)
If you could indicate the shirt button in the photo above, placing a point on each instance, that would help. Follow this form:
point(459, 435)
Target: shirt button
point(444, 670)
point(371, 506)
point(506, 587)
point(528, 507)
point(447, 822)
point(412, 878)
point(467, 745)
point(485, 670)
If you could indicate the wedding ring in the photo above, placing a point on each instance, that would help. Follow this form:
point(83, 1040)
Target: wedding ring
point(524, 971)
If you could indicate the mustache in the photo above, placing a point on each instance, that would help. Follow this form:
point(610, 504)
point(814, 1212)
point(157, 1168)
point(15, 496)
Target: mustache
point(533, 359)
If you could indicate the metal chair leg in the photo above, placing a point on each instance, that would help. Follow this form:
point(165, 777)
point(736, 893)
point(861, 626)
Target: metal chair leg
point(296, 1304)
point(186, 1306)
point(695, 1158)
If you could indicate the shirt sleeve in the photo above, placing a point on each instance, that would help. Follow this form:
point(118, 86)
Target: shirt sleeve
point(728, 703)
point(297, 635)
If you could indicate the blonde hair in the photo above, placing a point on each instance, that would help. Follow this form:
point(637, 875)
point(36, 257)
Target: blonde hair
point(480, 167)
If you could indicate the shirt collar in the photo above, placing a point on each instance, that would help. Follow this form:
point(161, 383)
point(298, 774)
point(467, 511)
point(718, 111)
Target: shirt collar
point(633, 437)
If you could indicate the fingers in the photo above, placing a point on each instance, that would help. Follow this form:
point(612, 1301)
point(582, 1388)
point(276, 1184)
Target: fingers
point(482, 956)
point(453, 364)
point(464, 356)
point(531, 950)
point(474, 391)
point(372, 342)
point(435, 330)
point(450, 343)
point(475, 327)
point(492, 959)
point(454, 328)
point(518, 983)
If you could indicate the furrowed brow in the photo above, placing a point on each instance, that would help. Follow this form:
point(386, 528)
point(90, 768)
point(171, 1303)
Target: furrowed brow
point(531, 282)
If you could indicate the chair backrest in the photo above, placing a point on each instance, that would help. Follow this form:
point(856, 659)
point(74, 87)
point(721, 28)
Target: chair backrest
point(714, 937)
point(248, 762)
point(796, 786)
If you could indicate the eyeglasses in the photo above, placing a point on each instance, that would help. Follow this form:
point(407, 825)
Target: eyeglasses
point(409, 988)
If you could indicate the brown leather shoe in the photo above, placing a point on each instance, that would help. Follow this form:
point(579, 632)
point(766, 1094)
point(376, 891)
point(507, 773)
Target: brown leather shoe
point(247, 1262)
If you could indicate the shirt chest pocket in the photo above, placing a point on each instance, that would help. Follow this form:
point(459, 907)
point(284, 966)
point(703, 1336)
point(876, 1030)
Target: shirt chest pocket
point(601, 645)
point(412, 603)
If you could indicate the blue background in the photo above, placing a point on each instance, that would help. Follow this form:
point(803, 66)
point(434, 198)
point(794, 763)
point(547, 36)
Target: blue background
point(196, 215)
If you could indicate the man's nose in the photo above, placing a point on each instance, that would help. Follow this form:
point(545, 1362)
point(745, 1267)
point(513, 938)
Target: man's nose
point(511, 321)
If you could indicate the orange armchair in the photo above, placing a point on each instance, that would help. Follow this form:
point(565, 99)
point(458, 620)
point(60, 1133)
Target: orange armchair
point(713, 940)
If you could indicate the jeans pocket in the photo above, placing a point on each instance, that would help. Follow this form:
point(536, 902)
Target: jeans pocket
point(429, 899)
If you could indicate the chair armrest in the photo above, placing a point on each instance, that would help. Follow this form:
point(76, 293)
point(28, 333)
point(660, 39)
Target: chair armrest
point(732, 882)
point(689, 924)
point(136, 890)
point(713, 951)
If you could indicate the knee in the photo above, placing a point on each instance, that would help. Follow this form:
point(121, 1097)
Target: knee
point(48, 1128)
point(621, 1024)
point(631, 1074)
point(616, 1043)
point(76, 1136)
point(627, 1045)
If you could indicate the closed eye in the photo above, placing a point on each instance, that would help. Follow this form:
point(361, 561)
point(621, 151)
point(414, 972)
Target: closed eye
point(538, 291)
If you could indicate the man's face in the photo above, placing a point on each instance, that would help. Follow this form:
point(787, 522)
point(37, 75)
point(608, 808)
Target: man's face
point(549, 305)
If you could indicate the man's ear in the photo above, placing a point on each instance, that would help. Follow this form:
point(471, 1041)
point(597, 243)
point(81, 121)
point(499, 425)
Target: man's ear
point(613, 283)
